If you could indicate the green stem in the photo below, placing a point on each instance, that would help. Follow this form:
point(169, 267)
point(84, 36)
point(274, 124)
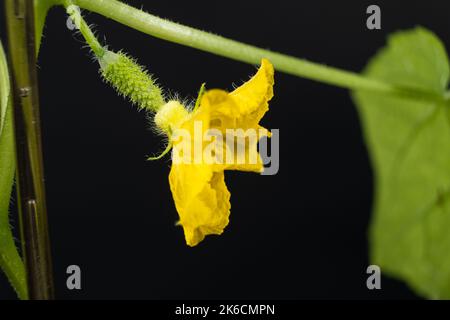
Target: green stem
point(41, 8)
point(205, 41)
point(81, 24)
point(91, 39)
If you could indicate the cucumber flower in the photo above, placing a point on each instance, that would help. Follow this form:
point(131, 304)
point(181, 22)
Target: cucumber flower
point(220, 133)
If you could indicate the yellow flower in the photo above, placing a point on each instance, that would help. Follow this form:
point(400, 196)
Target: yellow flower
point(197, 179)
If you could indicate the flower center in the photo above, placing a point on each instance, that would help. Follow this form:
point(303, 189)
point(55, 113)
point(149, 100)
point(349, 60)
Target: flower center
point(171, 116)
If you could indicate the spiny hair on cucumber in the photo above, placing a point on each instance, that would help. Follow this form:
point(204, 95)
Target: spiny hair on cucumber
point(131, 80)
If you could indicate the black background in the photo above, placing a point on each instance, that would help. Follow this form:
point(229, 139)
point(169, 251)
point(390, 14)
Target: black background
point(299, 234)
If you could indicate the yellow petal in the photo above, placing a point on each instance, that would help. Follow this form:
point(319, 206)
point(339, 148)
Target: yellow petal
point(199, 191)
point(253, 96)
point(202, 200)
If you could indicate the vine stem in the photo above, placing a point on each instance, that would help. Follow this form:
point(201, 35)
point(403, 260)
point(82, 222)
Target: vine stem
point(191, 37)
point(83, 27)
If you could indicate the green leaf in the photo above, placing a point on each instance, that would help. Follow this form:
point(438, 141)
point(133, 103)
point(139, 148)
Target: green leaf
point(409, 146)
point(10, 261)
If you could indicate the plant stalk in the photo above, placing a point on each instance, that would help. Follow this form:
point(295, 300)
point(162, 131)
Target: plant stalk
point(191, 37)
point(30, 173)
